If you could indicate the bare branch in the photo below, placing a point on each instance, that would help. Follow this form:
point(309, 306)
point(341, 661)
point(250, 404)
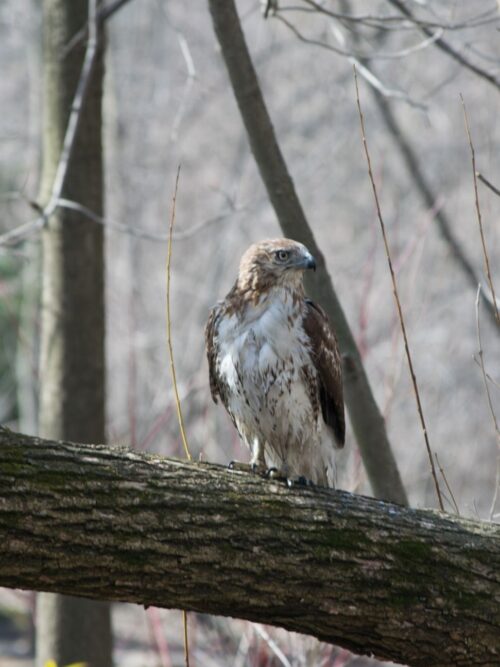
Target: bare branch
point(488, 183)
point(443, 475)
point(314, 42)
point(396, 297)
point(169, 338)
point(446, 47)
point(374, 81)
point(445, 226)
point(381, 92)
point(373, 55)
point(20, 233)
point(383, 22)
point(272, 645)
point(187, 86)
point(488, 376)
point(478, 211)
point(373, 577)
point(490, 402)
point(75, 113)
point(103, 13)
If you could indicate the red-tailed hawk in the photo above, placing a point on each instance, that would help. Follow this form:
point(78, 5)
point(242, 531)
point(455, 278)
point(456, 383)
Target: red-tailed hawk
point(274, 362)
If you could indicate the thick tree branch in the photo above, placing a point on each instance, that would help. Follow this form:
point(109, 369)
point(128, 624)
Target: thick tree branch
point(417, 587)
point(367, 422)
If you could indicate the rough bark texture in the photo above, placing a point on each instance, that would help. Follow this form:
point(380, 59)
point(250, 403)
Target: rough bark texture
point(418, 587)
point(72, 379)
point(367, 422)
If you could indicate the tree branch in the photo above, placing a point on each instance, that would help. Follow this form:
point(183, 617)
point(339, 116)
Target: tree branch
point(418, 587)
point(425, 189)
point(447, 48)
point(366, 420)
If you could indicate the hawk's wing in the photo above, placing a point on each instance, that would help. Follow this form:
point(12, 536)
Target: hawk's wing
point(218, 388)
point(326, 358)
point(212, 351)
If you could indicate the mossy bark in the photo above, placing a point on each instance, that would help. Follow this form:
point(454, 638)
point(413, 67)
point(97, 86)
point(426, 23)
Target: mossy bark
point(417, 587)
point(72, 377)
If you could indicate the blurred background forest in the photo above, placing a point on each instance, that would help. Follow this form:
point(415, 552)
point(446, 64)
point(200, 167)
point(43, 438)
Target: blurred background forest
point(168, 101)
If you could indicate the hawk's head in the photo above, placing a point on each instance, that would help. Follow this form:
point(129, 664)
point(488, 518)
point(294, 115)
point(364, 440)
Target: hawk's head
point(275, 262)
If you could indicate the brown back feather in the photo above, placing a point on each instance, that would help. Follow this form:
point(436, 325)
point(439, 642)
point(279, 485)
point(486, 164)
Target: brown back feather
point(326, 358)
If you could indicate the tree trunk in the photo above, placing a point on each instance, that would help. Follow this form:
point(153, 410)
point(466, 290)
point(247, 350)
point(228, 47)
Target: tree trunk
point(367, 422)
point(72, 370)
point(418, 587)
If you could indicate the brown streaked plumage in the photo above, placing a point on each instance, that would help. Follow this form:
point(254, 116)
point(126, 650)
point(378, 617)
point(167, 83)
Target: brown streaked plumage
point(274, 363)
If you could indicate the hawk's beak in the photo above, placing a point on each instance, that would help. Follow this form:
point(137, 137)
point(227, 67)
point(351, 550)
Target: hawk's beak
point(310, 262)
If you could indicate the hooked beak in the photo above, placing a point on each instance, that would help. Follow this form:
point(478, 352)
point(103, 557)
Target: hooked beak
point(308, 262)
point(311, 263)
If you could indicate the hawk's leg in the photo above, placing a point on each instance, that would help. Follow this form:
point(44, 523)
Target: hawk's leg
point(257, 462)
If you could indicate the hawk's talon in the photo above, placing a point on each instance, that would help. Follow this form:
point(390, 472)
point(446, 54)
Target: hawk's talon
point(275, 473)
point(256, 468)
point(299, 481)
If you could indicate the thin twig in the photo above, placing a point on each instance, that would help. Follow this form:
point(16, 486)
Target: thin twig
point(488, 183)
point(188, 84)
point(374, 81)
point(445, 225)
point(142, 233)
point(20, 233)
point(75, 113)
point(103, 14)
point(490, 402)
point(396, 296)
point(313, 42)
point(408, 23)
point(174, 379)
point(478, 211)
point(186, 641)
point(488, 376)
point(169, 322)
point(417, 172)
point(272, 645)
point(447, 485)
point(27, 228)
point(497, 486)
point(154, 619)
point(396, 55)
point(447, 48)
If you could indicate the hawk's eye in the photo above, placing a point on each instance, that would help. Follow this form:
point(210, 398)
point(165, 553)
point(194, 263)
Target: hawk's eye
point(282, 255)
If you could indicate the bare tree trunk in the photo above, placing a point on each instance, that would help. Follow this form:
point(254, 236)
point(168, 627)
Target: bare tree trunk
point(72, 370)
point(415, 586)
point(367, 422)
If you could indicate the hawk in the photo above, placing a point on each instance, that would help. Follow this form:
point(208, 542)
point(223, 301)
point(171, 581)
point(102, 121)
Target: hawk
point(274, 363)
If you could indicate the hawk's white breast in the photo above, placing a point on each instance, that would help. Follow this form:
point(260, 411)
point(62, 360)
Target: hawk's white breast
point(262, 357)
